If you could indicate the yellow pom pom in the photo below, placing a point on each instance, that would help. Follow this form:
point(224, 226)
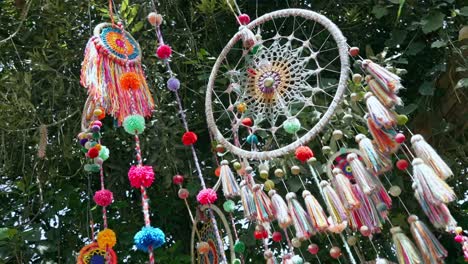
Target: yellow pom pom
point(98, 146)
point(106, 238)
point(97, 112)
point(458, 230)
point(241, 107)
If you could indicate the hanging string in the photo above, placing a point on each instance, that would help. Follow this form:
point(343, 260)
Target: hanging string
point(111, 13)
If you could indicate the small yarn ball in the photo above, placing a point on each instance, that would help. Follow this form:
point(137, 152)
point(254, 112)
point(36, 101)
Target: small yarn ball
point(189, 138)
point(292, 125)
point(279, 173)
point(357, 78)
point(252, 139)
point(400, 138)
point(354, 51)
point(458, 230)
point(237, 166)
point(241, 107)
point(394, 191)
point(277, 236)
point(229, 206)
point(178, 179)
point(154, 19)
point(103, 197)
point(203, 247)
point(247, 122)
point(337, 134)
point(335, 252)
point(239, 247)
point(106, 238)
point(296, 242)
point(149, 236)
point(269, 185)
point(352, 240)
point(295, 170)
point(401, 120)
point(236, 261)
point(218, 171)
point(207, 196)
point(95, 128)
point(141, 176)
point(220, 148)
point(303, 153)
point(183, 193)
point(365, 231)
point(97, 112)
point(313, 249)
point(134, 124)
point(173, 84)
point(297, 259)
point(259, 234)
point(244, 19)
point(402, 164)
point(164, 52)
point(130, 81)
point(264, 174)
point(93, 153)
point(458, 238)
point(83, 141)
point(104, 153)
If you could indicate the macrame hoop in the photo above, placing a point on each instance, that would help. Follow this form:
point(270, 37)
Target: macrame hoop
point(344, 60)
point(336, 155)
point(88, 251)
point(220, 214)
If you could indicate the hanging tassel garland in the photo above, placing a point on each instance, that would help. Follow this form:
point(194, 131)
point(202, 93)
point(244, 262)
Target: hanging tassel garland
point(247, 201)
point(430, 185)
point(425, 151)
point(302, 222)
point(230, 186)
point(384, 139)
point(389, 81)
point(386, 97)
point(263, 205)
point(405, 250)
point(315, 210)
point(366, 215)
point(375, 160)
point(360, 173)
point(432, 252)
point(280, 209)
point(344, 190)
point(379, 113)
point(438, 214)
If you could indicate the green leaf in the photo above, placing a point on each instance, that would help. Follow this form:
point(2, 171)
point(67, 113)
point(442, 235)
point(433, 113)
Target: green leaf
point(432, 22)
point(414, 48)
point(427, 88)
point(408, 109)
point(438, 44)
point(462, 83)
point(463, 11)
point(397, 37)
point(7, 233)
point(400, 9)
point(379, 11)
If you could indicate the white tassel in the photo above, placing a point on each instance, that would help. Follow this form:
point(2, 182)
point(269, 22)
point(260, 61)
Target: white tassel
point(429, 185)
point(379, 113)
point(248, 37)
point(315, 210)
point(247, 201)
point(280, 209)
point(361, 175)
point(344, 190)
point(429, 155)
point(230, 186)
point(375, 160)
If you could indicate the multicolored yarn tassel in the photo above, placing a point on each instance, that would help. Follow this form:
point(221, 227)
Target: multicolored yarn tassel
point(263, 205)
point(438, 214)
point(379, 113)
point(248, 37)
point(247, 201)
point(315, 210)
point(405, 250)
point(389, 81)
point(386, 97)
point(344, 190)
point(336, 209)
point(361, 174)
point(384, 138)
point(425, 151)
point(367, 214)
point(230, 186)
point(280, 210)
point(430, 185)
point(432, 252)
point(375, 160)
point(302, 222)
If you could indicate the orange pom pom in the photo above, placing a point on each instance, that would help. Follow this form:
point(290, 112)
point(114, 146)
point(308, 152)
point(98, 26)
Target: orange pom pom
point(218, 171)
point(130, 80)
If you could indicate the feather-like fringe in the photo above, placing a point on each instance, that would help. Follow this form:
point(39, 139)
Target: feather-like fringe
point(374, 159)
point(263, 205)
point(432, 252)
point(439, 215)
point(425, 151)
point(280, 209)
point(344, 190)
point(390, 82)
point(335, 207)
point(247, 201)
point(230, 186)
point(379, 113)
point(301, 221)
point(405, 250)
point(315, 210)
point(361, 175)
point(384, 138)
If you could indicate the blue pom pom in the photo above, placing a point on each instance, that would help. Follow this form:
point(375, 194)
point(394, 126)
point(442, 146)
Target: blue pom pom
point(252, 139)
point(149, 236)
point(173, 84)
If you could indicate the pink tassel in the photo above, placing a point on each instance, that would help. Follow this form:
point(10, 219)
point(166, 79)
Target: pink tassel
point(368, 214)
point(439, 214)
point(230, 186)
point(263, 205)
point(389, 81)
point(432, 252)
point(344, 190)
point(375, 160)
point(387, 98)
point(361, 175)
point(336, 209)
point(405, 250)
point(315, 210)
point(384, 138)
point(379, 113)
point(280, 209)
point(429, 185)
point(429, 156)
point(247, 201)
point(302, 223)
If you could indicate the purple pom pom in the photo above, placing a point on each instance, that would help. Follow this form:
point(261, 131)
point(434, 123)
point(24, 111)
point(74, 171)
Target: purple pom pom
point(173, 84)
point(83, 141)
point(95, 128)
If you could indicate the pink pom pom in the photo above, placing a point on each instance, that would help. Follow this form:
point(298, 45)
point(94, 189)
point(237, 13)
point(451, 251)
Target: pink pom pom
point(207, 196)
point(164, 52)
point(400, 138)
point(458, 238)
point(141, 175)
point(103, 197)
point(244, 19)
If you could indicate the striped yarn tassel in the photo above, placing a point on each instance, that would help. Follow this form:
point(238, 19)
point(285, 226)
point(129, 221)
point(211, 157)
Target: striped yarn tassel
point(439, 215)
point(280, 210)
point(389, 81)
point(344, 190)
point(367, 214)
point(315, 211)
point(336, 209)
point(361, 175)
point(405, 250)
point(386, 97)
point(301, 221)
point(384, 138)
point(247, 201)
point(230, 186)
point(263, 205)
point(430, 185)
point(379, 113)
point(425, 151)
point(432, 252)
point(375, 160)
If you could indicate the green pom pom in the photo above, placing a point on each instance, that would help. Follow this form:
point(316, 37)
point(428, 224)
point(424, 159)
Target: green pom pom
point(236, 261)
point(239, 247)
point(134, 124)
point(292, 125)
point(104, 153)
point(92, 167)
point(402, 119)
point(92, 144)
point(96, 135)
point(229, 206)
point(84, 150)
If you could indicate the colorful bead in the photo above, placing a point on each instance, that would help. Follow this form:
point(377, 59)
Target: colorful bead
point(354, 51)
point(244, 19)
point(313, 249)
point(239, 247)
point(183, 193)
point(247, 122)
point(400, 138)
point(252, 139)
point(402, 164)
point(277, 236)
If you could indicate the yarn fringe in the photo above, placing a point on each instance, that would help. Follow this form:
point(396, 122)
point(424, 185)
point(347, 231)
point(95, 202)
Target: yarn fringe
point(389, 81)
point(439, 215)
point(374, 159)
point(432, 251)
point(379, 113)
point(247, 201)
point(263, 205)
point(386, 97)
point(367, 214)
point(230, 186)
point(425, 151)
point(384, 138)
point(361, 175)
point(301, 221)
point(405, 249)
point(280, 210)
point(345, 191)
point(315, 211)
point(336, 209)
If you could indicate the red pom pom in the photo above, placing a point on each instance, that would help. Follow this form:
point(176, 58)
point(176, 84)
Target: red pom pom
point(400, 138)
point(258, 235)
point(247, 122)
point(189, 138)
point(402, 164)
point(93, 152)
point(354, 51)
point(103, 197)
point(207, 196)
point(313, 249)
point(303, 153)
point(130, 81)
point(218, 171)
point(178, 179)
point(141, 176)
point(164, 52)
point(458, 238)
point(277, 236)
point(244, 19)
